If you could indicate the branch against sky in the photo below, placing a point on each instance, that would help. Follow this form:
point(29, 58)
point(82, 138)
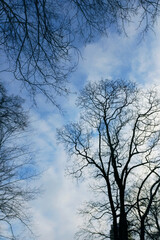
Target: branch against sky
point(37, 39)
point(41, 37)
point(115, 141)
point(17, 169)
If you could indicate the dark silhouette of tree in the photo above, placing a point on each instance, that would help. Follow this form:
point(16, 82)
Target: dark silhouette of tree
point(100, 16)
point(16, 167)
point(37, 39)
point(40, 37)
point(116, 143)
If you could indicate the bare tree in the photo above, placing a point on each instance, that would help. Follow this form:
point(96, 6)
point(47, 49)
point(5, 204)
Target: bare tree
point(116, 141)
point(37, 38)
point(16, 167)
point(100, 16)
point(41, 37)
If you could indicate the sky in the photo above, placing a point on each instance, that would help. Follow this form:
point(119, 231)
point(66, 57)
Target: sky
point(55, 211)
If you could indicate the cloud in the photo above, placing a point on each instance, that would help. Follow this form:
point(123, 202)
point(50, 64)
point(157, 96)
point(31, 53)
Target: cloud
point(55, 211)
point(123, 57)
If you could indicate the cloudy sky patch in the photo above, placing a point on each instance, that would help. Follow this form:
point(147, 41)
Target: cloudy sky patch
point(116, 57)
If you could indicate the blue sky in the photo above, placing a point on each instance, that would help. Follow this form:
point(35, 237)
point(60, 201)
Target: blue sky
point(55, 211)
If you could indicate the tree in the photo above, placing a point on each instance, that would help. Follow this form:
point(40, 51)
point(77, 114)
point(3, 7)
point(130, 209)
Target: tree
point(116, 142)
point(37, 39)
point(16, 167)
point(101, 16)
point(41, 37)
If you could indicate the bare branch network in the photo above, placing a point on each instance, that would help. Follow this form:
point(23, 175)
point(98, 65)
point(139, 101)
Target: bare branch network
point(41, 37)
point(17, 168)
point(116, 143)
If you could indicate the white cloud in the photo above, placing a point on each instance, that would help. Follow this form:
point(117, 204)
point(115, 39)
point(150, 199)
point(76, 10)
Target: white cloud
point(55, 211)
point(123, 57)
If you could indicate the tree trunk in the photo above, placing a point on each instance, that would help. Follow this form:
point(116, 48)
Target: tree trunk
point(123, 228)
point(123, 225)
point(142, 230)
point(115, 235)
